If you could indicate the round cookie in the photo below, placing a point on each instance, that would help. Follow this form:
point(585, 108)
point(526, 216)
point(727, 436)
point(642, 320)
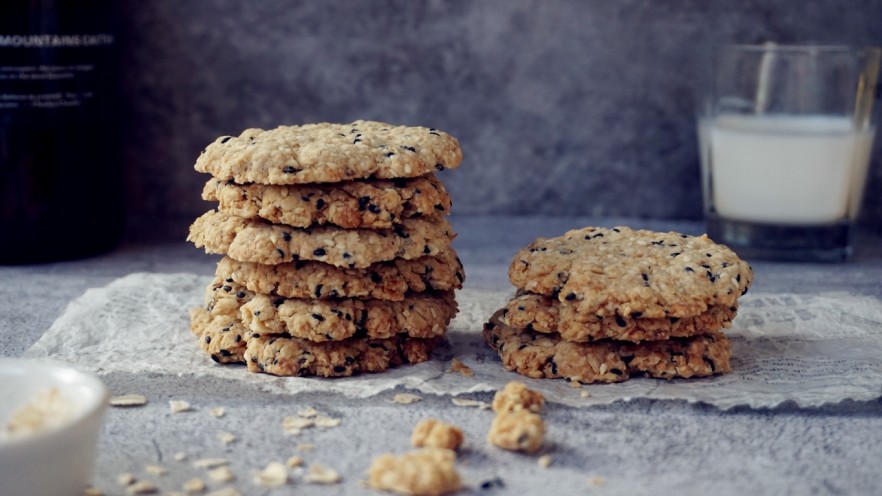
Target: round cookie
point(548, 356)
point(287, 356)
point(371, 204)
point(620, 271)
point(383, 281)
point(222, 336)
point(419, 315)
point(326, 153)
point(254, 240)
point(547, 315)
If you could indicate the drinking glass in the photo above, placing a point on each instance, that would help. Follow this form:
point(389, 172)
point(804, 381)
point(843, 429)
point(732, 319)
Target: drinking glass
point(786, 133)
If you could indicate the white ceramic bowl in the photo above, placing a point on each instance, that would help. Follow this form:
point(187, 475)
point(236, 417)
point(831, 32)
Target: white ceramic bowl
point(57, 460)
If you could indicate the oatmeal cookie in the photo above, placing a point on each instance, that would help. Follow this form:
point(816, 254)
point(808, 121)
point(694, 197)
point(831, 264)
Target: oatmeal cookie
point(546, 314)
point(252, 240)
point(284, 355)
point(620, 271)
point(383, 281)
point(371, 204)
point(326, 153)
point(419, 315)
point(221, 335)
point(547, 355)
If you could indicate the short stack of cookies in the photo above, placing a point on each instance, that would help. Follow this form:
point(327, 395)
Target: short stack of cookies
point(600, 304)
point(337, 250)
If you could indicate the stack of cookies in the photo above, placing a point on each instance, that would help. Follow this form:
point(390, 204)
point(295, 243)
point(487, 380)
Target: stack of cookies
point(598, 304)
point(337, 250)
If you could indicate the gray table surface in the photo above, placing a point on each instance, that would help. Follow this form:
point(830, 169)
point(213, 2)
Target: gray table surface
point(638, 447)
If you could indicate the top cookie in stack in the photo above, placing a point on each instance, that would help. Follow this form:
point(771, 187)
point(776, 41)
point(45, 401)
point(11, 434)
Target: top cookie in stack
point(338, 255)
point(597, 304)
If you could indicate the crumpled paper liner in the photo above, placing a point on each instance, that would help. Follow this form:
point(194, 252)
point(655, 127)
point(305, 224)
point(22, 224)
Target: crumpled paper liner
point(811, 349)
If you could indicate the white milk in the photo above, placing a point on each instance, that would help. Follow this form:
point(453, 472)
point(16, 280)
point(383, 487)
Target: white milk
point(786, 169)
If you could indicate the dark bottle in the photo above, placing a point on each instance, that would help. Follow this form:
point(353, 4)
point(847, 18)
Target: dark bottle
point(61, 185)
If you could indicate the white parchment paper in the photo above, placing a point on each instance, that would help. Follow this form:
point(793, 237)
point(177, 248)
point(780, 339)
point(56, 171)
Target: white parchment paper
point(811, 349)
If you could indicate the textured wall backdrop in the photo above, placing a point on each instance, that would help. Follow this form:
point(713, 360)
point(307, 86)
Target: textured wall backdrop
point(561, 106)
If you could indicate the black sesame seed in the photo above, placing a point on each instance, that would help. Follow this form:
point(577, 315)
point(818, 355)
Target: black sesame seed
point(620, 321)
point(318, 317)
point(571, 297)
point(409, 148)
point(240, 294)
point(228, 289)
point(319, 204)
point(225, 353)
point(291, 170)
point(427, 250)
point(339, 369)
point(389, 154)
point(280, 252)
point(439, 167)
point(373, 209)
point(363, 202)
point(318, 291)
point(286, 236)
point(207, 339)
point(689, 269)
point(319, 252)
point(376, 278)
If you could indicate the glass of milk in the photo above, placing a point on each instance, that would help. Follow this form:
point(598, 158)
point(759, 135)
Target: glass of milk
point(786, 133)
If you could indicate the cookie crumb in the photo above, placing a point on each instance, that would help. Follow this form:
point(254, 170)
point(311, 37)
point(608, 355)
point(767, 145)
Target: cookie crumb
point(520, 430)
point(483, 405)
point(405, 398)
point(194, 486)
point(92, 491)
point(155, 470)
point(294, 461)
point(127, 400)
point(174, 493)
point(125, 479)
point(434, 433)
point(305, 447)
point(544, 461)
point(218, 412)
point(319, 474)
point(595, 481)
point(210, 463)
point(575, 384)
point(457, 366)
point(274, 475)
point(180, 456)
point(308, 412)
point(142, 487)
point(515, 396)
point(221, 474)
point(423, 471)
point(585, 394)
point(178, 406)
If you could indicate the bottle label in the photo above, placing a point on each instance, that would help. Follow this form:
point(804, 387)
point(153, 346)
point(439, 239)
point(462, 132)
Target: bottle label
point(51, 71)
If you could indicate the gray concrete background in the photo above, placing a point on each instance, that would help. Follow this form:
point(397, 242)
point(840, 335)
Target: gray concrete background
point(563, 107)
